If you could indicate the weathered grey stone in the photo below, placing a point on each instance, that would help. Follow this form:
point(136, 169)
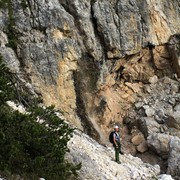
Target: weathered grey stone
point(159, 143)
point(139, 105)
point(149, 111)
point(153, 79)
point(161, 113)
point(159, 120)
point(165, 177)
point(107, 21)
point(177, 107)
point(3, 39)
point(148, 126)
point(84, 11)
point(174, 88)
point(10, 59)
point(162, 129)
point(3, 19)
point(174, 157)
point(172, 101)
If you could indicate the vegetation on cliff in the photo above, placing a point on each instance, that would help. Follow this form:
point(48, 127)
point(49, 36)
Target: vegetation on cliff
point(33, 144)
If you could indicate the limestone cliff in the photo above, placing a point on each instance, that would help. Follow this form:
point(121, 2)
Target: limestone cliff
point(91, 58)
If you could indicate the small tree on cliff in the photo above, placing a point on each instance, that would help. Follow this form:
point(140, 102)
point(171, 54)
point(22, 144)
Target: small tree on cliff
point(30, 148)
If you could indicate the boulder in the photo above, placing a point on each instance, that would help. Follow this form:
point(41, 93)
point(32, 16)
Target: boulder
point(159, 143)
point(137, 139)
point(159, 120)
point(177, 107)
point(165, 177)
point(174, 157)
point(161, 114)
point(173, 121)
point(153, 79)
point(148, 125)
point(143, 147)
point(139, 104)
point(149, 111)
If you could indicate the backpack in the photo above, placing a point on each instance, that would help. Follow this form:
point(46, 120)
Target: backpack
point(111, 137)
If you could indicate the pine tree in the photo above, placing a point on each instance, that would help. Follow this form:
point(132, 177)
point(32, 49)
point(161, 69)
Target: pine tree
point(30, 148)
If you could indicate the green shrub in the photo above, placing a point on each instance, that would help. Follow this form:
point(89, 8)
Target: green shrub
point(4, 3)
point(6, 86)
point(30, 148)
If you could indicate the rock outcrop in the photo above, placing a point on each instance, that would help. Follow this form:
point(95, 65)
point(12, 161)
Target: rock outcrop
point(86, 57)
point(160, 144)
point(155, 115)
point(100, 62)
point(98, 161)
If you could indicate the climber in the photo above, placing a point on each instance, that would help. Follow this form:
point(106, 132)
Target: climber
point(116, 143)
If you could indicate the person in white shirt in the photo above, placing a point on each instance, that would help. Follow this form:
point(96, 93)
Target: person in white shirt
point(116, 143)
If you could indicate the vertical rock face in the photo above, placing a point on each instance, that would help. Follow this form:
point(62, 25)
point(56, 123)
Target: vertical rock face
point(86, 57)
point(93, 58)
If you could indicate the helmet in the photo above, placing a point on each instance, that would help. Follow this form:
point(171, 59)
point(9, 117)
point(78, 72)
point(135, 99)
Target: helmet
point(116, 127)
